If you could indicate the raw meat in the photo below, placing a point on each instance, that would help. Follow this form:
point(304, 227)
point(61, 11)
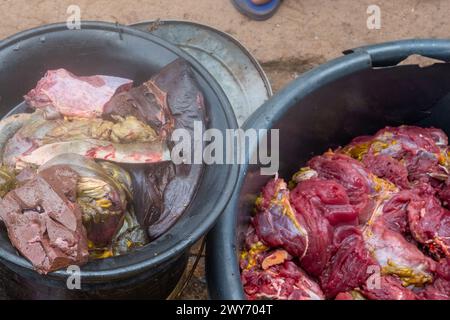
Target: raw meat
point(440, 288)
point(320, 205)
point(60, 92)
point(81, 119)
point(429, 223)
point(390, 288)
point(44, 224)
point(348, 267)
point(397, 256)
point(171, 187)
point(284, 281)
point(125, 141)
point(376, 219)
point(277, 223)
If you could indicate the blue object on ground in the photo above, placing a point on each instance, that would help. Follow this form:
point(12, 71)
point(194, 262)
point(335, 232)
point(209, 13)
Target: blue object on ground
point(257, 12)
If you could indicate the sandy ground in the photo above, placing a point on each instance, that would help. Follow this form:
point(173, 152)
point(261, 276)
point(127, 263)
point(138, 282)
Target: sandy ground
point(304, 31)
point(303, 34)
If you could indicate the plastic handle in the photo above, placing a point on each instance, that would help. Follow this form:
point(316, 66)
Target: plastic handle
point(392, 53)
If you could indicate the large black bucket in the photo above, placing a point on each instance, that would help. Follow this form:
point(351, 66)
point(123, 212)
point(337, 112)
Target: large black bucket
point(103, 48)
point(353, 95)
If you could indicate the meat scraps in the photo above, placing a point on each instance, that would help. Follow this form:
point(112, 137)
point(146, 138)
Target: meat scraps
point(44, 223)
point(60, 92)
point(366, 221)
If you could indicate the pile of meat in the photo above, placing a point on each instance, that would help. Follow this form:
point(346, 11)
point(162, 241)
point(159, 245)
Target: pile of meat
point(367, 221)
point(87, 172)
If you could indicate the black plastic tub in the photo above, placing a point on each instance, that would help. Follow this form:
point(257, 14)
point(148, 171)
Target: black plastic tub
point(103, 48)
point(354, 95)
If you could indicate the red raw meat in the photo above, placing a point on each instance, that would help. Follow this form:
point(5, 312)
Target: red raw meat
point(378, 202)
point(404, 141)
point(429, 223)
point(255, 251)
point(321, 204)
point(390, 288)
point(440, 289)
point(286, 281)
point(444, 194)
point(386, 167)
point(351, 174)
point(344, 296)
point(62, 93)
point(277, 223)
point(329, 198)
point(420, 150)
point(349, 264)
point(397, 256)
point(394, 215)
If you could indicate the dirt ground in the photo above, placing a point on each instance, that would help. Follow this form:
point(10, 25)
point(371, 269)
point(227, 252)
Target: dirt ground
point(303, 34)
